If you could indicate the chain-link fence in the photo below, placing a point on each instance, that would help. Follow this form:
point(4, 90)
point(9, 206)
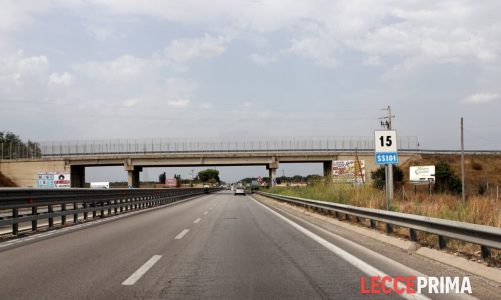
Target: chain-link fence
point(138, 146)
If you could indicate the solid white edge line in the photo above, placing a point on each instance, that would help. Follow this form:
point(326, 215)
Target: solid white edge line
point(354, 261)
point(181, 234)
point(197, 220)
point(142, 270)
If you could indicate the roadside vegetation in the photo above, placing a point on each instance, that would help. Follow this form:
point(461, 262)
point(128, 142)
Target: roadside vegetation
point(444, 201)
point(477, 209)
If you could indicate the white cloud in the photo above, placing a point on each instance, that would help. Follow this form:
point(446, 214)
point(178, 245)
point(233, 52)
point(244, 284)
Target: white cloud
point(63, 80)
point(179, 103)
point(206, 105)
point(130, 103)
point(183, 50)
point(481, 98)
point(263, 59)
point(125, 67)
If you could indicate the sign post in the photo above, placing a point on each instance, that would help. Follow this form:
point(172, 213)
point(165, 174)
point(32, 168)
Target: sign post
point(385, 153)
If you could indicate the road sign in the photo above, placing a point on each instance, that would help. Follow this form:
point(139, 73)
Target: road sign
point(386, 158)
point(385, 142)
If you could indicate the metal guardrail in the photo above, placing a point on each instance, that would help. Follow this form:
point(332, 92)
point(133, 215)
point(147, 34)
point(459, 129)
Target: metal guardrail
point(25, 204)
point(485, 236)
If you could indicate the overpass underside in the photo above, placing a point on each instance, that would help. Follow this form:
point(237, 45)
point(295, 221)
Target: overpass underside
point(24, 171)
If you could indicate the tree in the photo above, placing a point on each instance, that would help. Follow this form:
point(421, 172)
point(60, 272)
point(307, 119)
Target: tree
point(445, 179)
point(178, 179)
point(379, 177)
point(161, 178)
point(209, 175)
point(12, 147)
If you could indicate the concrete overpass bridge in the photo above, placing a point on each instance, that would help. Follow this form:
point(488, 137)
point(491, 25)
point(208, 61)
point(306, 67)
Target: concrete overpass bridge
point(134, 155)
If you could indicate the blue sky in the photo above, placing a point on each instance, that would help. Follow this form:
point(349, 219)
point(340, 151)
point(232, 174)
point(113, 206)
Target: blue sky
point(74, 70)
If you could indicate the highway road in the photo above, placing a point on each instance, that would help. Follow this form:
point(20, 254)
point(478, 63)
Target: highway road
point(218, 246)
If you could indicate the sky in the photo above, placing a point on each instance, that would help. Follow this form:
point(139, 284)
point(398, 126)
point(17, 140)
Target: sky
point(102, 69)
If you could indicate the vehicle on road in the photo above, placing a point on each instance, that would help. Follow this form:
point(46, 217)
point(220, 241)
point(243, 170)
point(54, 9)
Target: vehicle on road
point(239, 191)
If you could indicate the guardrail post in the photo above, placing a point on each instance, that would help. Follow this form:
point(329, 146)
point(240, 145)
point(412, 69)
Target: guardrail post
point(116, 208)
point(121, 205)
point(372, 223)
point(75, 215)
point(94, 213)
point(109, 208)
point(485, 252)
point(51, 218)
point(412, 235)
point(63, 217)
point(34, 223)
point(15, 226)
point(442, 243)
point(389, 228)
point(102, 210)
point(86, 214)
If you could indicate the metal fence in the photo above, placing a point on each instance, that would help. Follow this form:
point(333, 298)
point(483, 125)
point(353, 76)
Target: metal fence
point(485, 236)
point(31, 205)
point(144, 146)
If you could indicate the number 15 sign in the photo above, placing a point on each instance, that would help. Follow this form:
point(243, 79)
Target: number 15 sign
point(385, 147)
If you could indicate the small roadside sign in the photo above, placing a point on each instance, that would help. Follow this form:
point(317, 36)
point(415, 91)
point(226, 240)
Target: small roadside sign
point(385, 147)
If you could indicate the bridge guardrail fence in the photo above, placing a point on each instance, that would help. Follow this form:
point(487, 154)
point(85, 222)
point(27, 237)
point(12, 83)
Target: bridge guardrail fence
point(485, 236)
point(9, 151)
point(24, 204)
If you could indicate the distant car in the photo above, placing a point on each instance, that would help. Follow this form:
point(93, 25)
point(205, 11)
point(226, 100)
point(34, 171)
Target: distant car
point(239, 191)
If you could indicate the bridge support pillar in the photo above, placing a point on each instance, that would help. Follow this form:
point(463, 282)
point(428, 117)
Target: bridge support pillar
point(133, 177)
point(272, 168)
point(77, 176)
point(328, 170)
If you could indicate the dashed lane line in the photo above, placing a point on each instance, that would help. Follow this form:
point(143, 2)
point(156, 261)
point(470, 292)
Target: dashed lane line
point(142, 270)
point(181, 234)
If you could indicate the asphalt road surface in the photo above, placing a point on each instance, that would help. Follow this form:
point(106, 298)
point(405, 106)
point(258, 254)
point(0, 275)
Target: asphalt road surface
point(218, 246)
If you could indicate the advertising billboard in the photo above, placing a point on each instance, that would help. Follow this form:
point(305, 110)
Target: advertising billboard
point(422, 174)
point(171, 182)
point(53, 180)
point(347, 171)
point(45, 180)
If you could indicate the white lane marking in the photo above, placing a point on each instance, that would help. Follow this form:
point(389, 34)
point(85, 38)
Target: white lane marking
point(197, 220)
point(206, 212)
point(211, 208)
point(354, 261)
point(142, 270)
point(181, 234)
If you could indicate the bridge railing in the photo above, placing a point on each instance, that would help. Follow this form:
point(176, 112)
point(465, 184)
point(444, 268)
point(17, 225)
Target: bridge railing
point(19, 206)
point(144, 146)
point(485, 236)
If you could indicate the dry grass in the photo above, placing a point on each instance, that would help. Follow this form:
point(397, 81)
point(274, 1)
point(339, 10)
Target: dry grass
point(477, 209)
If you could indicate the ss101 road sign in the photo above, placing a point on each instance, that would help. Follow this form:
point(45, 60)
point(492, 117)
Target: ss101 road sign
point(385, 147)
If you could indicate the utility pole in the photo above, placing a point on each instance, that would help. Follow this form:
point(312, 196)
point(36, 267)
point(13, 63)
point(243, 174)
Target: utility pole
point(388, 168)
point(463, 192)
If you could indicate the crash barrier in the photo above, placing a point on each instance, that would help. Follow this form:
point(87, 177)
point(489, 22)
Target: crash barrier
point(485, 236)
point(31, 205)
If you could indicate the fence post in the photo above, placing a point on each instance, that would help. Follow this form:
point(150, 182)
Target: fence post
point(63, 217)
point(34, 211)
point(51, 218)
point(15, 226)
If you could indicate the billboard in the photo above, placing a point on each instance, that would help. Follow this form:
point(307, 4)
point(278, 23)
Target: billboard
point(171, 182)
point(346, 171)
point(53, 180)
point(45, 179)
point(99, 185)
point(422, 174)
